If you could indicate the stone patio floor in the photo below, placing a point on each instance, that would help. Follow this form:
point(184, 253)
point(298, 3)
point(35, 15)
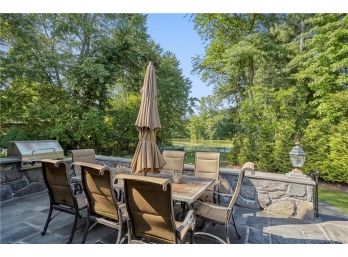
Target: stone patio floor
point(22, 219)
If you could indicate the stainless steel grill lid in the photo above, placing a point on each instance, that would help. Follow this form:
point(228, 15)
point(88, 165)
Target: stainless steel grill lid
point(35, 150)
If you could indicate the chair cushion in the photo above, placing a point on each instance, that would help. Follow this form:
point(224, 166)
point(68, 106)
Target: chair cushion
point(212, 211)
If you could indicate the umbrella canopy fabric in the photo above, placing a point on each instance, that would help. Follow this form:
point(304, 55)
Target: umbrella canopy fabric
point(147, 156)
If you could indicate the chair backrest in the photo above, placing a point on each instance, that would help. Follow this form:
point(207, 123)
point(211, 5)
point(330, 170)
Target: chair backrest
point(98, 186)
point(150, 207)
point(56, 177)
point(247, 166)
point(82, 155)
point(207, 165)
point(174, 160)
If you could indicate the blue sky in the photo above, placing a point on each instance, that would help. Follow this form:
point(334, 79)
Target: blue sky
point(175, 33)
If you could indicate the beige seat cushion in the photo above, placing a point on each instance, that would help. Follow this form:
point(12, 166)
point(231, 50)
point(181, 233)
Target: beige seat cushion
point(212, 211)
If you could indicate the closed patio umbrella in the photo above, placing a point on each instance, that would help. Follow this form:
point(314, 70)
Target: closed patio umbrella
point(147, 157)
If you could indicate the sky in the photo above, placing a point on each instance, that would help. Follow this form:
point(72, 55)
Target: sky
point(175, 33)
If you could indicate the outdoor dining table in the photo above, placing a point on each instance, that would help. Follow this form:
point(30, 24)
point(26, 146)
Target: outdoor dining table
point(188, 190)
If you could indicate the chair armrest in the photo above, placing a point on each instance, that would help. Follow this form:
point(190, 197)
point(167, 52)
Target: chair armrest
point(218, 193)
point(213, 206)
point(221, 194)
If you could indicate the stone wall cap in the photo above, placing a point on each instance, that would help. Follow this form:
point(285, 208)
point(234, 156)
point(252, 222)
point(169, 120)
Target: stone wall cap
point(258, 174)
point(9, 160)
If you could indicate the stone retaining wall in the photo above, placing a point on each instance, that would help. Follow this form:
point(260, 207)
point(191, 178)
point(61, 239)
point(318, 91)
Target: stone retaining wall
point(276, 193)
point(16, 182)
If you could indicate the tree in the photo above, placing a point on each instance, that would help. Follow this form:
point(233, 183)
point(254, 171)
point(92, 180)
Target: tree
point(280, 74)
point(77, 77)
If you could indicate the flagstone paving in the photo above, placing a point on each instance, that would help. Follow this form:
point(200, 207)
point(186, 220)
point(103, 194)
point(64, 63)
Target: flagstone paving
point(22, 219)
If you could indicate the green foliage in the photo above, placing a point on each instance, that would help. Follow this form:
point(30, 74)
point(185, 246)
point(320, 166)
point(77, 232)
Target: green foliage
point(14, 133)
point(77, 78)
point(278, 74)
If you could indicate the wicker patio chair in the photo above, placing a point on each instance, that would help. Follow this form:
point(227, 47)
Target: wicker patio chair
point(102, 205)
point(56, 174)
point(150, 209)
point(214, 213)
point(174, 161)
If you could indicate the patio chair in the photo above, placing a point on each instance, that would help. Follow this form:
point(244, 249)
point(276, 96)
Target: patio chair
point(150, 209)
point(174, 161)
point(219, 214)
point(56, 174)
point(207, 165)
point(102, 205)
point(81, 155)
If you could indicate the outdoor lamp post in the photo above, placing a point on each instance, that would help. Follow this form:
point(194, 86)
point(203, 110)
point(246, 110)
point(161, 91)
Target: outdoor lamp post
point(297, 157)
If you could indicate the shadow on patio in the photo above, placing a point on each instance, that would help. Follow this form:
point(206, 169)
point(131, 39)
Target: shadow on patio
point(22, 220)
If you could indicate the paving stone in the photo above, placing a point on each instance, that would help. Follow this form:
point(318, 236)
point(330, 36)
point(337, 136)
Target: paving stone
point(23, 218)
point(337, 233)
point(110, 238)
point(331, 213)
point(48, 238)
point(219, 230)
point(30, 189)
point(11, 215)
point(286, 234)
point(313, 234)
point(16, 232)
point(240, 215)
point(5, 192)
point(257, 222)
point(257, 236)
point(98, 232)
point(241, 201)
point(18, 184)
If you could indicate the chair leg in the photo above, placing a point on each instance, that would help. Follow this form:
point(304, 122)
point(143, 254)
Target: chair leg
point(74, 228)
point(192, 239)
point(235, 227)
point(48, 220)
point(86, 230)
point(119, 234)
point(129, 227)
point(227, 233)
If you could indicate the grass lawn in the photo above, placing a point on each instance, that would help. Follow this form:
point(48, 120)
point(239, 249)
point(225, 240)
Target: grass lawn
point(207, 143)
point(190, 158)
point(336, 198)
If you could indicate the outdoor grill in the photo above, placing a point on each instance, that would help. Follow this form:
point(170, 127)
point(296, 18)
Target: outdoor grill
point(30, 153)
